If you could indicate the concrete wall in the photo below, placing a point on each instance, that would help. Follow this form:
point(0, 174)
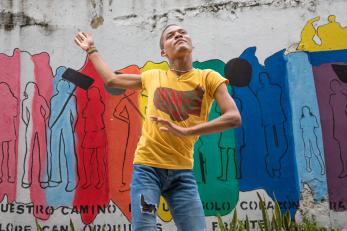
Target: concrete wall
point(291, 147)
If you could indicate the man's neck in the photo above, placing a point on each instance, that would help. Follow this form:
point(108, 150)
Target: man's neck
point(181, 65)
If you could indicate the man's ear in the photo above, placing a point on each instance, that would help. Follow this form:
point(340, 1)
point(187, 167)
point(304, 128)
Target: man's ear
point(163, 53)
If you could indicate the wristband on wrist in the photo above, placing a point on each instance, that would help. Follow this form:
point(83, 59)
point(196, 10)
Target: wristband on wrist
point(91, 50)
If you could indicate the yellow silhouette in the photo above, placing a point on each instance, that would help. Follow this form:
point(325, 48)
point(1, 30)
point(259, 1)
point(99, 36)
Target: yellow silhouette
point(163, 208)
point(332, 36)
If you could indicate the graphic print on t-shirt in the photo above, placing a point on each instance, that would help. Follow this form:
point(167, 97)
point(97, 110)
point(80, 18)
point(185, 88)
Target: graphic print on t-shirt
point(179, 104)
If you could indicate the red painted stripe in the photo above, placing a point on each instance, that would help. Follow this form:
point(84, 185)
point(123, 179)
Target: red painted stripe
point(9, 96)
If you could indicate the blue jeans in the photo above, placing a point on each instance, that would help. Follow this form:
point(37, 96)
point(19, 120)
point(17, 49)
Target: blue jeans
point(180, 191)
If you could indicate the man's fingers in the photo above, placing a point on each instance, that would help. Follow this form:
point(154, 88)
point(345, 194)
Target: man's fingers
point(82, 35)
point(158, 119)
point(163, 122)
point(153, 118)
point(164, 129)
point(77, 42)
point(79, 38)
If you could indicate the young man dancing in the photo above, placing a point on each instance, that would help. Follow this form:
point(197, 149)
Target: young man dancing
point(179, 101)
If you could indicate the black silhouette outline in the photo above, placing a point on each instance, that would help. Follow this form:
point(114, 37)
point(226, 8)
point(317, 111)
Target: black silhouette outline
point(308, 125)
point(273, 123)
point(121, 113)
point(39, 107)
point(239, 73)
point(62, 136)
point(9, 138)
point(226, 149)
point(202, 161)
point(242, 142)
point(94, 143)
point(338, 104)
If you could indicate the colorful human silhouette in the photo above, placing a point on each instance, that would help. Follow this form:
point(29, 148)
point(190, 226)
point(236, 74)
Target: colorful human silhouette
point(62, 139)
point(94, 143)
point(240, 134)
point(35, 108)
point(122, 113)
point(227, 150)
point(273, 118)
point(338, 104)
point(201, 164)
point(329, 34)
point(308, 125)
point(8, 137)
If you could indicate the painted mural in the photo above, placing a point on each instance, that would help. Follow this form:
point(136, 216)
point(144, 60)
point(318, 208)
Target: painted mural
point(68, 151)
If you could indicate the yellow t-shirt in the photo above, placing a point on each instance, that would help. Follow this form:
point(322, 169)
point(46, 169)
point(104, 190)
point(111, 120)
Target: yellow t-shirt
point(185, 100)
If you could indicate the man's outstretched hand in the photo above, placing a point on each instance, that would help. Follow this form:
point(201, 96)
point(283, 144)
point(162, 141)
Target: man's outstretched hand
point(169, 127)
point(84, 40)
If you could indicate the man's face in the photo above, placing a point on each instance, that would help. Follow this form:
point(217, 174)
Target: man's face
point(176, 42)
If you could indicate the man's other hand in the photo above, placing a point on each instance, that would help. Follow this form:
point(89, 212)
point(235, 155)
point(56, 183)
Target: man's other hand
point(169, 127)
point(84, 40)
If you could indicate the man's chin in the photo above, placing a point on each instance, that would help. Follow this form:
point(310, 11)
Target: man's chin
point(183, 50)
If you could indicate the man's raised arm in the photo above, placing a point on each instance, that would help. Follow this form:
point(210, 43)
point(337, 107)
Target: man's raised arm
point(131, 81)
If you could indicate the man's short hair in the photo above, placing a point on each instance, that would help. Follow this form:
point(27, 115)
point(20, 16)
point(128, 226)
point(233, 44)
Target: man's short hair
point(161, 43)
